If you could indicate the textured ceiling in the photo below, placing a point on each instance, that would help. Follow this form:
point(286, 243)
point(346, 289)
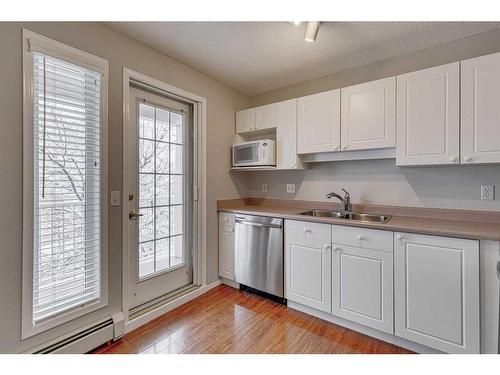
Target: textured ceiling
point(256, 57)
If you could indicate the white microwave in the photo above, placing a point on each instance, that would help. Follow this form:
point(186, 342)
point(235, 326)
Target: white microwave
point(255, 153)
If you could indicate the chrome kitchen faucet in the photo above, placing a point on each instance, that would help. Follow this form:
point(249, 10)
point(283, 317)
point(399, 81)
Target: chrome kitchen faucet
point(346, 199)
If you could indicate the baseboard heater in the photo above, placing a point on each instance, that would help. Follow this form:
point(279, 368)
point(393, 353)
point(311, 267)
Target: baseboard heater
point(86, 339)
point(157, 302)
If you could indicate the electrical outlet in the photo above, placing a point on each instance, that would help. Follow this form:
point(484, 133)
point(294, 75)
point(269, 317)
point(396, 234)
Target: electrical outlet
point(290, 188)
point(488, 192)
point(264, 188)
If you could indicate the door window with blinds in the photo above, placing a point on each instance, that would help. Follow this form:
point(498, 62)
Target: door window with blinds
point(67, 184)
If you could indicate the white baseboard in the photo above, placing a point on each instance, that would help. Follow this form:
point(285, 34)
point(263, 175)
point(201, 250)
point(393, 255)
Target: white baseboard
point(364, 330)
point(169, 306)
point(231, 283)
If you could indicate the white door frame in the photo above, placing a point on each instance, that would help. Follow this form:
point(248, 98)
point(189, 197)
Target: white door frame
point(199, 122)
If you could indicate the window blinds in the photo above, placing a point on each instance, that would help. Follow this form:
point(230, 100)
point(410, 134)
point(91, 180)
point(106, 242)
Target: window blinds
point(66, 186)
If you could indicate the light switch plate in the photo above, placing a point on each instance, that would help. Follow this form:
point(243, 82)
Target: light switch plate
point(290, 188)
point(264, 188)
point(488, 192)
point(114, 199)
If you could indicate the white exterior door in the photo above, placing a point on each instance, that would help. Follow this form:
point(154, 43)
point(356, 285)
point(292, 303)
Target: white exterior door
point(362, 286)
point(319, 122)
point(245, 120)
point(436, 281)
point(159, 196)
point(368, 115)
point(480, 122)
point(428, 116)
point(308, 264)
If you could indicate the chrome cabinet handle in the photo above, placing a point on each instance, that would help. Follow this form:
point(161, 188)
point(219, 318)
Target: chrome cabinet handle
point(134, 215)
point(327, 247)
point(467, 159)
point(399, 237)
point(361, 238)
point(498, 269)
point(453, 159)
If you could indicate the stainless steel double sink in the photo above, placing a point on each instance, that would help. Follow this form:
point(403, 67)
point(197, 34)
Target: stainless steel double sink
point(372, 218)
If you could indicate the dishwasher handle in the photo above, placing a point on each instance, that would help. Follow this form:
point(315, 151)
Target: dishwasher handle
point(258, 224)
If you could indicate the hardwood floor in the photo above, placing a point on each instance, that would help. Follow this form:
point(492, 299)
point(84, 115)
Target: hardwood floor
point(226, 320)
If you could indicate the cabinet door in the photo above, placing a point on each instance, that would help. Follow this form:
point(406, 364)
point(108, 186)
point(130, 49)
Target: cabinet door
point(308, 266)
point(436, 281)
point(265, 116)
point(319, 122)
point(428, 116)
point(480, 122)
point(286, 135)
point(245, 120)
point(362, 286)
point(226, 246)
point(368, 115)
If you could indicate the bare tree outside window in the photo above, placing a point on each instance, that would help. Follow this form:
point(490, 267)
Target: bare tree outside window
point(66, 185)
point(161, 174)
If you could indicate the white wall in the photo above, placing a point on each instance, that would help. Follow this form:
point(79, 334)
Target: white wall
point(121, 51)
point(380, 181)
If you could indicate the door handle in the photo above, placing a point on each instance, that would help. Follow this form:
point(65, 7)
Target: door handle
point(134, 215)
point(258, 224)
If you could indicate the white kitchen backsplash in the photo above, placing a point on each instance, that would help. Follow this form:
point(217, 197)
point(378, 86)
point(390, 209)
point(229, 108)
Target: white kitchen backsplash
point(381, 182)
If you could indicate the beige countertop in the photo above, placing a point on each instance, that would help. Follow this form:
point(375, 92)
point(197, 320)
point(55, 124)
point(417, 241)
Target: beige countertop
point(486, 229)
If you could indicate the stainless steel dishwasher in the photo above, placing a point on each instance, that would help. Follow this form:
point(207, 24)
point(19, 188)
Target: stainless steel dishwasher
point(259, 253)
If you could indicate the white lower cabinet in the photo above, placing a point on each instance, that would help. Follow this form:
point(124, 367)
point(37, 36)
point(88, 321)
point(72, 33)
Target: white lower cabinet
point(308, 264)
point(421, 288)
point(362, 285)
point(436, 283)
point(226, 245)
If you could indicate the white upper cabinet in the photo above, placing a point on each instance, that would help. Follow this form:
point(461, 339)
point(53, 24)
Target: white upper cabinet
point(286, 135)
point(480, 122)
point(428, 116)
point(319, 122)
point(260, 118)
point(368, 115)
point(265, 117)
point(245, 120)
point(436, 284)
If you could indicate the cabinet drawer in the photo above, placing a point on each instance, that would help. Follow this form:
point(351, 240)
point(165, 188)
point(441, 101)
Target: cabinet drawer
point(362, 237)
point(226, 219)
point(303, 230)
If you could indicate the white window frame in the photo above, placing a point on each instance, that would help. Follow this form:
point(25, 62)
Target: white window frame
point(33, 42)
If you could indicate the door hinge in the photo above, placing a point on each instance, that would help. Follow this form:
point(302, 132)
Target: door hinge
point(195, 193)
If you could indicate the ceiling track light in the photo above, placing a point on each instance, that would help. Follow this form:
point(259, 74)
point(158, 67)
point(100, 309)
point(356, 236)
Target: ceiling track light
point(311, 31)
